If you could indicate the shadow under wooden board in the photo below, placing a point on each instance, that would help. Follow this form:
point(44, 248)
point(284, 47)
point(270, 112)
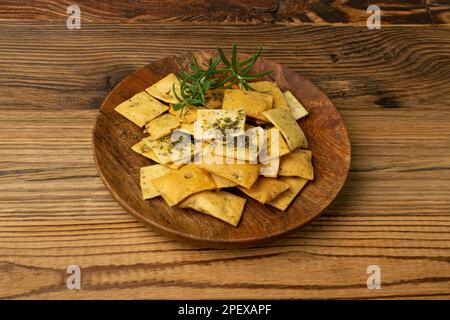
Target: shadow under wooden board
point(119, 166)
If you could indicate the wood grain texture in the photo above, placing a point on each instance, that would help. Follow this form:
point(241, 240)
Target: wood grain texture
point(391, 86)
point(293, 12)
point(119, 166)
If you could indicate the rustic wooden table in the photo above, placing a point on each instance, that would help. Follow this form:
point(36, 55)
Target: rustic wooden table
point(392, 87)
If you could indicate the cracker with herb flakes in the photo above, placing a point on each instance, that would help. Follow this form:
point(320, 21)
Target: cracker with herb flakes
point(243, 174)
point(269, 87)
point(298, 164)
point(177, 185)
point(273, 147)
point(172, 148)
point(187, 128)
point(147, 174)
point(217, 123)
point(219, 204)
point(161, 126)
point(291, 131)
point(242, 148)
point(222, 182)
point(270, 169)
point(213, 99)
point(265, 189)
point(143, 149)
point(254, 103)
point(141, 108)
point(163, 89)
point(297, 109)
point(188, 114)
point(283, 201)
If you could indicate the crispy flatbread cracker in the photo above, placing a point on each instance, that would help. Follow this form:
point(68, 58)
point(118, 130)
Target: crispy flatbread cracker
point(174, 165)
point(217, 123)
point(213, 99)
point(297, 164)
point(269, 87)
point(163, 89)
point(141, 108)
point(270, 169)
point(265, 189)
point(177, 185)
point(147, 175)
point(254, 103)
point(172, 148)
point(222, 182)
point(161, 126)
point(243, 174)
point(219, 204)
point(186, 115)
point(291, 131)
point(295, 186)
point(143, 149)
point(187, 127)
point(266, 152)
point(297, 109)
point(243, 148)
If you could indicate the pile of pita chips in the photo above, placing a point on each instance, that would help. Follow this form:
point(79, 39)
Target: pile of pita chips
point(266, 159)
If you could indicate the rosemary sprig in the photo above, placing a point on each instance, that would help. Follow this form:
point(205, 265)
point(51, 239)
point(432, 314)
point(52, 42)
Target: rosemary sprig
point(239, 72)
point(194, 85)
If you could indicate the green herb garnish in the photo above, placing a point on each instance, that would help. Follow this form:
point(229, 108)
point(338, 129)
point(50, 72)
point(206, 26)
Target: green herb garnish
point(194, 85)
point(239, 72)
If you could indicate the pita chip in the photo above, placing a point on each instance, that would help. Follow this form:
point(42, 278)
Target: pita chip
point(141, 108)
point(297, 109)
point(269, 87)
point(219, 204)
point(291, 131)
point(254, 103)
point(295, 186)
point(177, 185)
point(147, 175)
point(161, 126)
point(163, 89)
point(297, 164)
point(265, 189)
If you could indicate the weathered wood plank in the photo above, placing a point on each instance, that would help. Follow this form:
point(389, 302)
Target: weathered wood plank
point(391, 68)
point(391, 87)
point(291, 12)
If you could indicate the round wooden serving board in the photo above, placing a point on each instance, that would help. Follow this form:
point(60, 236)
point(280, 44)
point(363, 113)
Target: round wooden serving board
point(119, 166)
